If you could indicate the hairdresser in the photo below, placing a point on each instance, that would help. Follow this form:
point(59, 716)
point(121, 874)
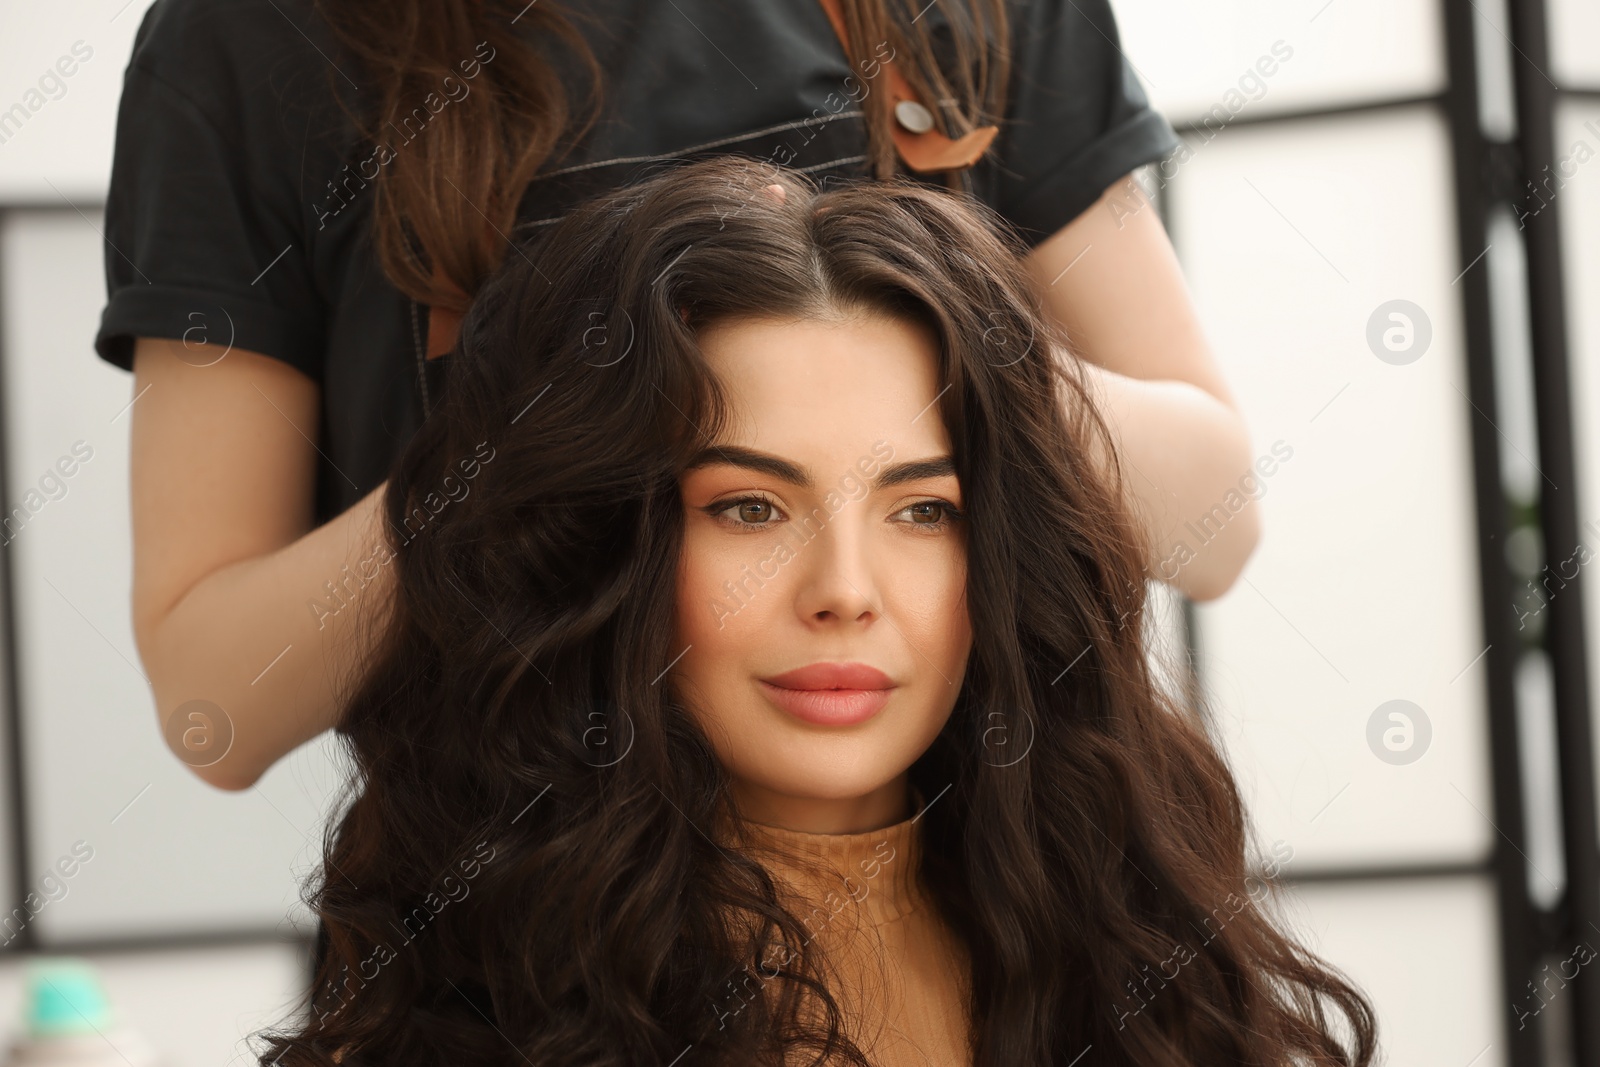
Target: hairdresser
point(305, 194)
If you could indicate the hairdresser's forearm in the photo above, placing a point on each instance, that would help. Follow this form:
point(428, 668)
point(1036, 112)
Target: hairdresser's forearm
point(266, 641)
point(1184, 455)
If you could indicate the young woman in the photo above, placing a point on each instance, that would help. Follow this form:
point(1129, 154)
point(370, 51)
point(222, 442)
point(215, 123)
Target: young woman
point(766, 682)
point(303, 190)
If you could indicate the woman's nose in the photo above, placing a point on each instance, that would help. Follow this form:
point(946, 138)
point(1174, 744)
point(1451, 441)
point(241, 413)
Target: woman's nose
point(837, 567)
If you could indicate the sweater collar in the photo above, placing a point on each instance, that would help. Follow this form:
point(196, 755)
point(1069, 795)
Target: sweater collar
point(871, 876)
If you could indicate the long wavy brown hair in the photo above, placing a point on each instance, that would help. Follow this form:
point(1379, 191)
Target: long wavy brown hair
point(451, 197)
point(526, 869)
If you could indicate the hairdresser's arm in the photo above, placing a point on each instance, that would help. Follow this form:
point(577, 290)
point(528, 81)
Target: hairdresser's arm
point(226, 562)
point(1112, 278)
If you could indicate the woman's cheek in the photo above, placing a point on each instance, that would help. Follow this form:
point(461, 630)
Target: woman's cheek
point(695, 594)
point(931, 589)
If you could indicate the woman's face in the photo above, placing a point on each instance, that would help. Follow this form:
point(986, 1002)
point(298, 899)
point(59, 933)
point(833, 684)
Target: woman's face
point(822, 529)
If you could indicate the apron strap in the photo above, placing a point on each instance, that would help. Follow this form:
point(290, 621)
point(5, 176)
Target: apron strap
point(444, 323)
point(927, 149)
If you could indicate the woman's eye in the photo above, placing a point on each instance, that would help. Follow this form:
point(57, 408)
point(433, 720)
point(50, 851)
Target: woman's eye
point(750, 512)
point(754, 512)
point(744, 512)
point(932, 514)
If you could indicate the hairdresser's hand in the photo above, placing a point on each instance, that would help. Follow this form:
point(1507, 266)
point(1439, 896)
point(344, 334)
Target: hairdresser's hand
point(1112, 278)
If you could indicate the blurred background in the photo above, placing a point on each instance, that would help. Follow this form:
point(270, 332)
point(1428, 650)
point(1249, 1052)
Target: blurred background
point(1388, 215)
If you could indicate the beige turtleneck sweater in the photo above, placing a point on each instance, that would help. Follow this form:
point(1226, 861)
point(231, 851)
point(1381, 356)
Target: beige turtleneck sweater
point(902, 972)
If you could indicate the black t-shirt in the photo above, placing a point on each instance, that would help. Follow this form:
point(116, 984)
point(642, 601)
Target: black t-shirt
point(237, 212)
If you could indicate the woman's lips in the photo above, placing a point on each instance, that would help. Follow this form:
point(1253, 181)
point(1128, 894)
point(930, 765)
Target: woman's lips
point(833, 676)
point(827, 707)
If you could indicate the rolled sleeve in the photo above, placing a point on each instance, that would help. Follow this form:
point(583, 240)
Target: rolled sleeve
point(201, 243)
point(1078, 118)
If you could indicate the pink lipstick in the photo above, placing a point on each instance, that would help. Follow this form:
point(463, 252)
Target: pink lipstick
point(830, 694)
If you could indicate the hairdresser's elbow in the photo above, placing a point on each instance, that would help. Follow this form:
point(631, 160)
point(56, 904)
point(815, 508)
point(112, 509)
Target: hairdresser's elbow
point(1222, 562)
point(228, 777)
point(198, 733)
point(231, 772)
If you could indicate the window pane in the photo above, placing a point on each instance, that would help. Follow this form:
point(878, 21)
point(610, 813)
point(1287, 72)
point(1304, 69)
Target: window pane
point(169, 852)
point(1193, 58)
point(56, 128)
point(1575, 43)
point(1427, 954)
point(1297, 240)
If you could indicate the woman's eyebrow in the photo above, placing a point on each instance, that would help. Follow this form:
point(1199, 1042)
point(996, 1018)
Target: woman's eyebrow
point(798, 474)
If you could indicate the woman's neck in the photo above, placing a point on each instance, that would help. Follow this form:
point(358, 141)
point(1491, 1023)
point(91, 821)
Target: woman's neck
point(844, 879)
point(891, 803)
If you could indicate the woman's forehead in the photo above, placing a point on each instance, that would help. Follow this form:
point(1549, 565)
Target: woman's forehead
point(811, 386)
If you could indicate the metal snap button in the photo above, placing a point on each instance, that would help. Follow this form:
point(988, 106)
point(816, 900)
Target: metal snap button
point(913, 116)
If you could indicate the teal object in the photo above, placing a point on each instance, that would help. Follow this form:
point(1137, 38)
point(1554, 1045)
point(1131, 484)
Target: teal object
point(65, 997)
